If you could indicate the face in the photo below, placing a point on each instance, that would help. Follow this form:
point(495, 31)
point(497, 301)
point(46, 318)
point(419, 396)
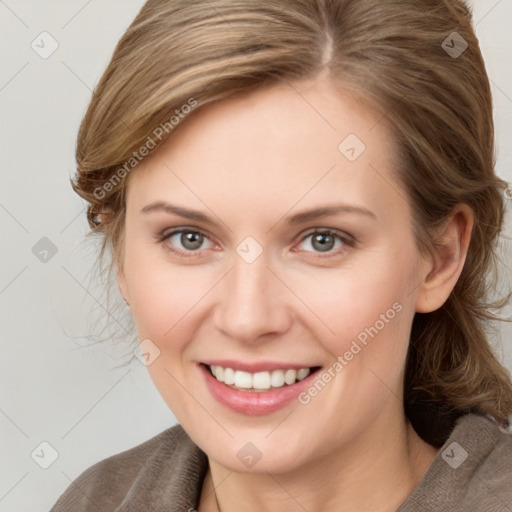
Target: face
point(264, 238)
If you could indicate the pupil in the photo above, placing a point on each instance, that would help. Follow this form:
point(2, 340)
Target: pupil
point(192, 240)
point(325, 241)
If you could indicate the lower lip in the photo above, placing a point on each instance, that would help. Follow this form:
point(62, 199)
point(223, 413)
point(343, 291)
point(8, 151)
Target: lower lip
point(254, 403)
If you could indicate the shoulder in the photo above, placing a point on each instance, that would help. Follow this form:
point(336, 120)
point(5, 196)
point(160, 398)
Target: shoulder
point(168, 467)
point(471, 471)
point(491, 480)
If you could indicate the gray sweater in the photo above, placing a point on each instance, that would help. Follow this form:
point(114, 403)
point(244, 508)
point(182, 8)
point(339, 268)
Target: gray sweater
point(472, 472)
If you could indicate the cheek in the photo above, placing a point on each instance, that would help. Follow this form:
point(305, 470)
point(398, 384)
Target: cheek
point(163, 294)
point(367, 308)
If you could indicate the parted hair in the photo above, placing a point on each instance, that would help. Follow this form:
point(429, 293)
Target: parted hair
point(392, 54)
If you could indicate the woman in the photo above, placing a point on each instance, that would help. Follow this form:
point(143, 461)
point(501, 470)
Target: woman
point(302, 211)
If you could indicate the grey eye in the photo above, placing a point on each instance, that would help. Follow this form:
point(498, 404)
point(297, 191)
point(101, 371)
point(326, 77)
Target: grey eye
point(189, 240)
point(321, 242)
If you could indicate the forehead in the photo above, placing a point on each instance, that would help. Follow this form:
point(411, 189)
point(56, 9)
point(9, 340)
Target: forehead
point(278, 146)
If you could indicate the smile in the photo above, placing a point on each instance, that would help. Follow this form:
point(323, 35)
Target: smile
point(259, 381)
point(264, 390)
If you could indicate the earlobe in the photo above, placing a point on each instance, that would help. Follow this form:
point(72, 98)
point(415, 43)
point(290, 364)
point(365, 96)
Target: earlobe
point(443, 268)
point(105, 216)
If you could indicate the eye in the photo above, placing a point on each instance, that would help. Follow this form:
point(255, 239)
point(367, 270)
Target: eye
point(325, 241)
point(185, 241)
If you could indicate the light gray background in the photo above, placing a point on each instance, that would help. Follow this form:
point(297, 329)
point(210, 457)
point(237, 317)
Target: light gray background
point(54, 387)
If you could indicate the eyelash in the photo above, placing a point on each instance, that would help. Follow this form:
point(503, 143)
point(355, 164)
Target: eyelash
point(186, 254)
point(347, 240)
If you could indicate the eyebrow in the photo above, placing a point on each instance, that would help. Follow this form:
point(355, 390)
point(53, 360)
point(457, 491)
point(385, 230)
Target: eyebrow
point(298, 218)
point(325, 211)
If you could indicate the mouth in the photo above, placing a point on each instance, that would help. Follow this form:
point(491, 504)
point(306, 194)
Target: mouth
point(260, 381)
point(257, 388)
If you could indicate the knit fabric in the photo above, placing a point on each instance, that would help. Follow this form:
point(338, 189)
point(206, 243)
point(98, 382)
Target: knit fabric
point(472, 472)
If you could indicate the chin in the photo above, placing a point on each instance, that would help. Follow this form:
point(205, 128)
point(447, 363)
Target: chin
point(250, 460)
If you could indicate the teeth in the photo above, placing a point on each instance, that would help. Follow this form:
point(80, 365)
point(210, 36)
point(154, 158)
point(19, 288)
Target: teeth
point(243, 380)
point(259, 380)
point(219, 373)
point(229, 376)
point(290, 376)
point(302, 373)
point(277, 378)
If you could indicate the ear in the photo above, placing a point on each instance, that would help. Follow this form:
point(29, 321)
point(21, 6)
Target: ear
point(106, 216)
point(443, 268)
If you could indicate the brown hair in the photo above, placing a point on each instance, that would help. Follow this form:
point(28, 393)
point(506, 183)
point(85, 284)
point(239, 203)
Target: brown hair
point(438, 105)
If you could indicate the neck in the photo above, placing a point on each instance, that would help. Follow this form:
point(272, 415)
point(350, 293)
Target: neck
point(377, 471)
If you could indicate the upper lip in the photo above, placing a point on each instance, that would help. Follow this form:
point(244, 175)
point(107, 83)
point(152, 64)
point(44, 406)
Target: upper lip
point(256, 366)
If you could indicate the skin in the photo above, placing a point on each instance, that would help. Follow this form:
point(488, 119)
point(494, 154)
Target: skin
point(249, 163)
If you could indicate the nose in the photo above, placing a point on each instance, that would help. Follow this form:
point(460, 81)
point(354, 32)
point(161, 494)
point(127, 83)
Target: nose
point(252, 303)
